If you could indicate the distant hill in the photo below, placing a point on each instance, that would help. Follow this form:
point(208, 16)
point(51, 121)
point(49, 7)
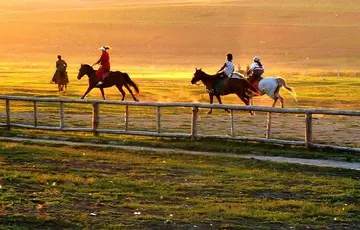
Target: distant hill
point(285, 34)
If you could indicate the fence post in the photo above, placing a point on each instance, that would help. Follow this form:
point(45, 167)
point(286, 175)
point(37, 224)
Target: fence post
point(158, 118)
point(8, 118)
point(35, 114)
point(232, 123)
point(126, 118)
point(308, 130)
point(95, 119)
point(62, 115)
point(194, 122)
point(268, 126)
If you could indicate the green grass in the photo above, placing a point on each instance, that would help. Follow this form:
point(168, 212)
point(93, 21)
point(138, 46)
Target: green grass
point(205, 144)
point(46, 187)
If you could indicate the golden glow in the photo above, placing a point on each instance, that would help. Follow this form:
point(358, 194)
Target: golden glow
point(182, 34)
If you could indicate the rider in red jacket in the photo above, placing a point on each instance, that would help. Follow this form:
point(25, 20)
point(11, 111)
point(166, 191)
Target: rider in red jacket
point(105, 65)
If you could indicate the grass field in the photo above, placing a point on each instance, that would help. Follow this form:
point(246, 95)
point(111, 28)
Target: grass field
point(327, 92)
point(47, 187)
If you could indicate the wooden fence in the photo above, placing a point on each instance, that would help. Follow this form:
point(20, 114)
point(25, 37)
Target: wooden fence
point(193, 134)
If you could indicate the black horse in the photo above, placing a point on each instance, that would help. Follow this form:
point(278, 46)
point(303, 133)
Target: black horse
point(116, 78)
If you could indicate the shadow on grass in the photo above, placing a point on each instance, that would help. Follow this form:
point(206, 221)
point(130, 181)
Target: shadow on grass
point(34, 222)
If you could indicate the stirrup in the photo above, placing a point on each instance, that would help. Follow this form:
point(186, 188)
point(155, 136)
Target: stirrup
point(211, 91)
point(99, 83)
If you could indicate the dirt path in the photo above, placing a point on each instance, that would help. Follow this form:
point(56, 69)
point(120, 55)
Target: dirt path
point(320, 163)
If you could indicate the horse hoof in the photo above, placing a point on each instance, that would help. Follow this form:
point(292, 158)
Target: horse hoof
point(209, 112)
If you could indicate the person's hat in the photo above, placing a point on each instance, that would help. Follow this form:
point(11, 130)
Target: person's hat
point(103, 48)
point(256, 58)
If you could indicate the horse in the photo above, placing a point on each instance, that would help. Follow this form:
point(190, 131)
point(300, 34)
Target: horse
point(238, 86)
point(271, 86)
point(115, 78)
point(61, 79)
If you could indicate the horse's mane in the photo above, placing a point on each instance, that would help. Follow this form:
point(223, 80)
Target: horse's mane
point(205, 75)
point(88, 66)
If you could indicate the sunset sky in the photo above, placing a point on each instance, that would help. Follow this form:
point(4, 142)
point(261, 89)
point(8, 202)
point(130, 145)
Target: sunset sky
point(308, 33)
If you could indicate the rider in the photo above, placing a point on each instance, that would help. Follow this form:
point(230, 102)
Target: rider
point(255, 71)
point(61, 66)
point(105, 65)
point(225, 71)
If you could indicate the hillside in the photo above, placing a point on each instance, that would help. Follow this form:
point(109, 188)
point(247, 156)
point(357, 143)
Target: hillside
point(285, 34)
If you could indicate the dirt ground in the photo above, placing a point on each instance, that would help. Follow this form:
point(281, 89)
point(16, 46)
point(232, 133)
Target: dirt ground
point(334, 130)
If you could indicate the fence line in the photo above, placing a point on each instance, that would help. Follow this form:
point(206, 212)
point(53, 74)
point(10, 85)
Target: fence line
point(308, 113)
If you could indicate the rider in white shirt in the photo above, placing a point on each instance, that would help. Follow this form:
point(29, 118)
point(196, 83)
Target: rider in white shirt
point(225, 71)
point(228, 68)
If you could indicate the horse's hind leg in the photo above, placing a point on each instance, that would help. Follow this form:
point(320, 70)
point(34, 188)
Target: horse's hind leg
point(102, 93)
point(275, 100)
point(130, 91)
point(245, 100)
point(281, 101)
point(121, 91)
point(277, 96)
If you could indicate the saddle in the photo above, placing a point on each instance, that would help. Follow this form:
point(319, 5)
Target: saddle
point(220, 83)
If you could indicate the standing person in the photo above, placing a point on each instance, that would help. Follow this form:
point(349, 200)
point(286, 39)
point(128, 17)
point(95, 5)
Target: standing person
point(255, 71)
point(61, 66)
point(225, 71)
point(105, 65)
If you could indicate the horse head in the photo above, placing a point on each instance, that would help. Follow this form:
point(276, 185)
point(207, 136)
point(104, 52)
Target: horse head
point(198, 75)
point(85, 69)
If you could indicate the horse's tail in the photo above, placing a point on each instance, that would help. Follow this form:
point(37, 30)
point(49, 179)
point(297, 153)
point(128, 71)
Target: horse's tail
point(131, 83)
point(282, 83)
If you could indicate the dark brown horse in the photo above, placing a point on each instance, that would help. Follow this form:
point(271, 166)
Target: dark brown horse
point(236, 86)
point(61, 79)
point(116, 78)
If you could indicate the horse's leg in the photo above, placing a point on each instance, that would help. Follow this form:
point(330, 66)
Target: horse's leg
point(87, 91)
point(275, 100)
point(130, 91)
point(277, 96)
point(281, 101)
point(245, 100)
point(121, 91)
point(251, 100)
point(211, 97)
point(220, 102)
point(102, 93)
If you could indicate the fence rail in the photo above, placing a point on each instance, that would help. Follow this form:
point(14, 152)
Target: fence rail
point(308, 114)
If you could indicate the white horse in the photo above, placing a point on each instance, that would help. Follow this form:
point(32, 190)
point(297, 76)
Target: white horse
point(271, 86)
